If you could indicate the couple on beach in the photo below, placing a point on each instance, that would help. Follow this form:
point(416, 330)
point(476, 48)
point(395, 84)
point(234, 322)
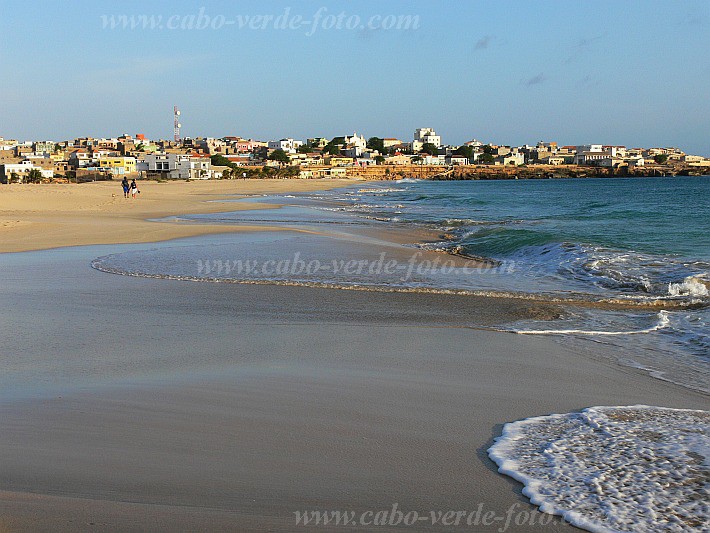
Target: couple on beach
point(132, 188)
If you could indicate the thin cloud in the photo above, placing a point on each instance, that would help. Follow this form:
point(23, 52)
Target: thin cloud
point(535, 80)
point(484, 42)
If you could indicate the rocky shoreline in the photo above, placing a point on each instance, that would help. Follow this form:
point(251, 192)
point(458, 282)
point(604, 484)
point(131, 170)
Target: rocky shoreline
point(485, 172)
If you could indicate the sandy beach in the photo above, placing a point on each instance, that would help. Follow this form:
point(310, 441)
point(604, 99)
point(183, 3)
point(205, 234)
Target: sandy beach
point(134, 404)
point(35, 217)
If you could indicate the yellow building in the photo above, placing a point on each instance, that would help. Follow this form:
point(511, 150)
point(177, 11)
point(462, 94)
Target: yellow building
point(337, 161)
point(118, 166)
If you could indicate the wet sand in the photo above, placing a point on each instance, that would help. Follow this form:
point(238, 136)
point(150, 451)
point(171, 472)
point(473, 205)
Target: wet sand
point(133, 404)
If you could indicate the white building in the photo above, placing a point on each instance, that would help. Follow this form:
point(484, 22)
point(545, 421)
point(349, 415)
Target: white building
point(358, 141)
point(590, 157)
point(21, 170)
point(433, 160)
point(81, 159)
point(427, 135)
point(399, 159)
point(616, 151)
point(609, 162)
point(552, 160)
point(354, 146)
point(43, 147)
point(177, 166)
point(290, 146)
point(692, 159)
point(415, 146)
point(589, 148)
point(455, 159)
point(512, 158)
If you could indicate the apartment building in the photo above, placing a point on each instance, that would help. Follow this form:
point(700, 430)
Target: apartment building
point(427, 135)
point(287, 145)
point(118, 166)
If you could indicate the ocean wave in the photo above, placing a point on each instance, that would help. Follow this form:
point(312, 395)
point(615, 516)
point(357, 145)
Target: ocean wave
point(502, 241)
point(612, 469)
point(125, 264)
point(691, 286)
point(672, 345)
point(613, 271)
point(378, 190)
point(663, 322)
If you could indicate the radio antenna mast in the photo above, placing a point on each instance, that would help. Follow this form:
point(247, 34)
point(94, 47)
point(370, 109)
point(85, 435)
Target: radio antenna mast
point(176, 124)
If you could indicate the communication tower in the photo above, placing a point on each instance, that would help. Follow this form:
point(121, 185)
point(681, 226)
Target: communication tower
point(176, 124)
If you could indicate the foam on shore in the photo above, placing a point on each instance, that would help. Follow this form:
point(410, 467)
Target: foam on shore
point(613, 469)
point(663, 322)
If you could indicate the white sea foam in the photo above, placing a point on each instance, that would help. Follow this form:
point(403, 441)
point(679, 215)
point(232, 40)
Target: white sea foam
point(663, 322)
point(613, 469)
point(691, 286)
point(378, 190)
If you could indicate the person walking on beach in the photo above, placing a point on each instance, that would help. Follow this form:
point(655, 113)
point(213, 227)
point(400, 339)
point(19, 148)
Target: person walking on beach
point(134, 188)
point(125, 186)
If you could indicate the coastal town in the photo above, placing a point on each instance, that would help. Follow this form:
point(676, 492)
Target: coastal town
point(425, 155)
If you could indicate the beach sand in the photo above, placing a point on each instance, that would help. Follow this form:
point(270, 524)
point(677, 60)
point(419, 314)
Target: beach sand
point(35, 217)
point(135, 404)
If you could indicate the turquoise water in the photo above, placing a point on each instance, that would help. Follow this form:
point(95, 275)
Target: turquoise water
point(654, 215)
point(630, 235)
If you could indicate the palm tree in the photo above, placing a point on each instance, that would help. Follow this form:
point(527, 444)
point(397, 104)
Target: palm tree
point(34, 176)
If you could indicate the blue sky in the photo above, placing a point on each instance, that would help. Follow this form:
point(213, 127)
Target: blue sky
point(615, 72)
